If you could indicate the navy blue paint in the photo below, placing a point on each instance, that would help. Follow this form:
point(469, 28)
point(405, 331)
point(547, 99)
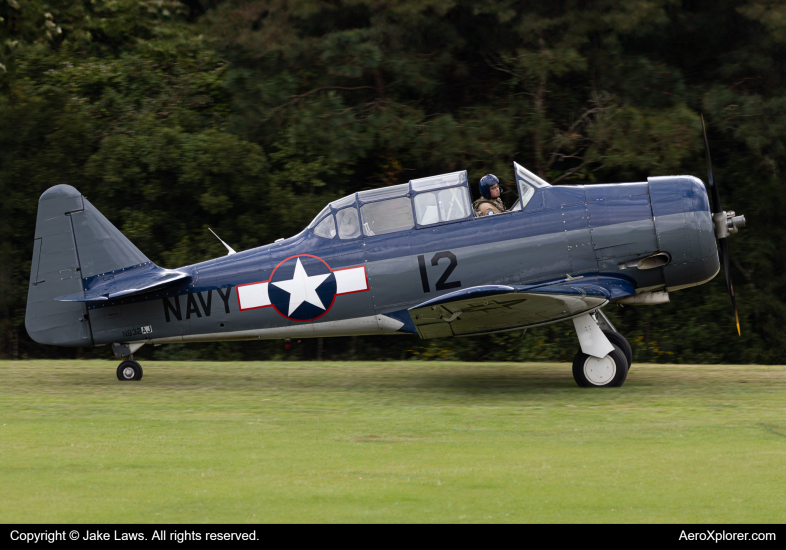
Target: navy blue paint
point(618, 210)
point(615, 190)
point(128, 281)
point(467, 293)
point(403, 317)
point(571, 289)
point(701, 201)
point(602, 286)
point(677, 194)
point(666, 196)
point(563, 195)
point(492, 229)
point(617, 285)
point(214, 273)
point(379, 248)
point(535, 204)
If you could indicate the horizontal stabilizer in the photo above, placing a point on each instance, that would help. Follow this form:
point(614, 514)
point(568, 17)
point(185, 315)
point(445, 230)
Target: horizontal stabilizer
point(499, 308)
point(125, 282)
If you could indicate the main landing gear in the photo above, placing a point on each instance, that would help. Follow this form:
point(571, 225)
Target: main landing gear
point(605, 355)
point(607, 372)
point(128, 369)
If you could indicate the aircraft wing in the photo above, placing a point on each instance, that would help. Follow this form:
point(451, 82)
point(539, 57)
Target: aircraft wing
point(125, 282)
point(499, 308)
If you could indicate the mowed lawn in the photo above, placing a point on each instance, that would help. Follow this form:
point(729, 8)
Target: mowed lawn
point(389, 442)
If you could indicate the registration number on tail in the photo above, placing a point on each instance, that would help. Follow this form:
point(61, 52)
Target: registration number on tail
point(137, 331)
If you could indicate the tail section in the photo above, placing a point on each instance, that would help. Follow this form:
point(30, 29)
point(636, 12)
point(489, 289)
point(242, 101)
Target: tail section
point(74, 243)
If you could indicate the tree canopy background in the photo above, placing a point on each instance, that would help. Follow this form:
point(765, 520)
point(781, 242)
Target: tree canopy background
point(249, 115)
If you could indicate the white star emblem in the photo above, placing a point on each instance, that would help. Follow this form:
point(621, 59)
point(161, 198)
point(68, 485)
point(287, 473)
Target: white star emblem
point(302, 288)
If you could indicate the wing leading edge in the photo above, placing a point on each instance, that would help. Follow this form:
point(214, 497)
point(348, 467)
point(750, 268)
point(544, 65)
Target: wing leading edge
point(499, 308)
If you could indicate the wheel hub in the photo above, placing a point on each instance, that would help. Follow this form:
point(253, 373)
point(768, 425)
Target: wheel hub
point(600, 372)
point(129, 373)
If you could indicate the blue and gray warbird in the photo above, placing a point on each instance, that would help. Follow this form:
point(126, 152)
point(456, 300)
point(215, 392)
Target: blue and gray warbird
point(411, 258)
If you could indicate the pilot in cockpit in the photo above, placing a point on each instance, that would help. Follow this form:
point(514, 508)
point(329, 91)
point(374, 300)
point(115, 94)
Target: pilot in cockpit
point(490, 203)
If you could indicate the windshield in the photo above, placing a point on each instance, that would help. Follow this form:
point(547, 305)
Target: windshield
point(319, 216)
point(336, 205)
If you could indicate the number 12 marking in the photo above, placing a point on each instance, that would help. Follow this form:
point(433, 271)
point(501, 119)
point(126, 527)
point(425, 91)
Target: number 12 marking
point(441, 283)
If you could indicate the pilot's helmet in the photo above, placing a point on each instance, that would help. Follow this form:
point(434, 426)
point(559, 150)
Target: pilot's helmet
point(487, 182)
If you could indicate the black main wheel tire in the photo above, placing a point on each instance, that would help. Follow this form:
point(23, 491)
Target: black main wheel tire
point(609, 372)
point(129, 370)
point(619, 340)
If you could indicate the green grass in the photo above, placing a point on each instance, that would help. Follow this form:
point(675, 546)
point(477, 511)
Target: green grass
point(389, 442)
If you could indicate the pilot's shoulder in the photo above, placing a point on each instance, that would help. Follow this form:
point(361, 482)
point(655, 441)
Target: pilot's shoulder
point(486, 208)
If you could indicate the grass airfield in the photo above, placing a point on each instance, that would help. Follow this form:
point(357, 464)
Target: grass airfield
point(389, 442)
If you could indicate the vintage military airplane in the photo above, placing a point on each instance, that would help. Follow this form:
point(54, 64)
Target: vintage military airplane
point(406, 259)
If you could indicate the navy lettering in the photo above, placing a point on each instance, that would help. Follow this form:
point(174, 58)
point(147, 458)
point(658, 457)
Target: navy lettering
point(225, 297)
point(192, 307)
point(175, 309)
point(206, 307)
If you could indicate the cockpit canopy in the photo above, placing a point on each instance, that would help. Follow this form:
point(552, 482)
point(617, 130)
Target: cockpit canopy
point(419, 203)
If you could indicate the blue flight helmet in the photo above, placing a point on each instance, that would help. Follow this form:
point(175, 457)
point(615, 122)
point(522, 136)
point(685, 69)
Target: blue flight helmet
point(487, 182)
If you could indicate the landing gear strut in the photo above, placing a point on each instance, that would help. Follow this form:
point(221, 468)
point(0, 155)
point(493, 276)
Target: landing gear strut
point(605, 355)
point(129, 370)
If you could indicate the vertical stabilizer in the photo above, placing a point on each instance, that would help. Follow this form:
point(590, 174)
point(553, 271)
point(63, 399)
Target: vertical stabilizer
point(73, 242)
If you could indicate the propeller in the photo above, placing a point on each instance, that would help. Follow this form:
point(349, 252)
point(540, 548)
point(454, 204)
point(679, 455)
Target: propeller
point(724, 223)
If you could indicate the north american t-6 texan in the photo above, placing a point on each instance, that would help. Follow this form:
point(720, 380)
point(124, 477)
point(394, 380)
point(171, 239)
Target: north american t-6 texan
point(413, 258)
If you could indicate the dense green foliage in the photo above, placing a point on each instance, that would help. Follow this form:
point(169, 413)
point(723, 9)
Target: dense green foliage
point(172, 116)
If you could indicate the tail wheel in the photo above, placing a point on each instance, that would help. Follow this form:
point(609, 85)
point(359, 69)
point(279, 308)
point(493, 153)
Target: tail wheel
point(607, 372)
point(619, 340)
point(129, 370)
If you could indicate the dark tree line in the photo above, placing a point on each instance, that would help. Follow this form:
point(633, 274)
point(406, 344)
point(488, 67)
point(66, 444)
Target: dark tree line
point(249, 115)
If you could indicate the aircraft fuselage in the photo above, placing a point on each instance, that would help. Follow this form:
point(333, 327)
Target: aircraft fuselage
point(565, 230)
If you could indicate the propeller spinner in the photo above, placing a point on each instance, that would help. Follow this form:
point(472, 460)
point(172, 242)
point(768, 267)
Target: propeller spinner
point(725, 223)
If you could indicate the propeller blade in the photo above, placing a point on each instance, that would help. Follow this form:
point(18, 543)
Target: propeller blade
point(716, 202)
point(723, 248)
point(724, 252)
